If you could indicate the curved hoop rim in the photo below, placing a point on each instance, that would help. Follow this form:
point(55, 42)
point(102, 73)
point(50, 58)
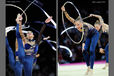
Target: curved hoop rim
point(68, 2)
point(19, 9)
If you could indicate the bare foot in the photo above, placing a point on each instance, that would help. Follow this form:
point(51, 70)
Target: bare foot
point(91, 72)
point(88, 69)
point(106, 65)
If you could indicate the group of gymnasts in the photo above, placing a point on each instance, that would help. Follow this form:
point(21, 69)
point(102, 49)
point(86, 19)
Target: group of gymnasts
point(27, 47)
point(26, 52)
point(92, 34)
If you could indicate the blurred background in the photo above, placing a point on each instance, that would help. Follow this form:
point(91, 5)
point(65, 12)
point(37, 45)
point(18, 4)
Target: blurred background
point(46, 63)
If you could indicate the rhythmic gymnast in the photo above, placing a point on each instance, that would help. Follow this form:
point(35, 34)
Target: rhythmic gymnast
point(30, 45)
point(15, 64)
point(91, 37)
point(34, 52)
point(102, 28)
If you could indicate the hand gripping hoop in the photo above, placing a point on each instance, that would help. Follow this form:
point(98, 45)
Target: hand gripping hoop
point(68, 2)
point(12, 5)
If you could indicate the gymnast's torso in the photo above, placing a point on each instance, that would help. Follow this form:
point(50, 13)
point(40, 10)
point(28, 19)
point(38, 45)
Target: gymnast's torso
point(89, 30)
point(30, 47)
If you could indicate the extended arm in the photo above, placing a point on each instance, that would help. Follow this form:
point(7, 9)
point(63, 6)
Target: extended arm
point(40, 35)
point(67, 15)
point(99, 17)
point(42, 29)
point(19, 21)
point(105, 27)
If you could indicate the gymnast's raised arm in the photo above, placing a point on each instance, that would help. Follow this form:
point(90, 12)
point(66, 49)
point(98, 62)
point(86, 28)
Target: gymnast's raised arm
point(99, 17)
point(42, 29)
point(67, 15)
point(19, 21)
point(105, 27)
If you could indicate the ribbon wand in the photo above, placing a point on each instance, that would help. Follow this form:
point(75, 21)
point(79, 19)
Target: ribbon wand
point(28, 6)
point(53, 22)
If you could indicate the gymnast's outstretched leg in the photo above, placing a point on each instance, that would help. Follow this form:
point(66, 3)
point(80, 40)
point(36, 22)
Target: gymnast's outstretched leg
point(107, 56)
point(107, 52)
point(86, 55)
point(20, 43)
point(15, 65)
point(27, 61)
point(11, 55)
point(93, 45)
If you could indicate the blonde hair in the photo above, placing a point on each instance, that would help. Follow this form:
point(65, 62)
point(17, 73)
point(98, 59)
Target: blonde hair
point(30, 32)
point(105, 27)
point(97, 22)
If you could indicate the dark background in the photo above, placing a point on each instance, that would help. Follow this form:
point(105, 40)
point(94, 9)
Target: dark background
point(85, 7)
point(47, 59)
point(46, 63)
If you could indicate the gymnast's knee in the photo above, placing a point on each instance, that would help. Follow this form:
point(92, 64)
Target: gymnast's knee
point(92, 53)
point(18, 35)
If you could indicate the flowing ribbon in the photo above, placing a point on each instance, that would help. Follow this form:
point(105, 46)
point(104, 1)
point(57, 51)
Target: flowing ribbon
point(62, 47)
point(11, 28)
point(12, 5)
point(49, 25)
point(45, 40)
point(53, 22)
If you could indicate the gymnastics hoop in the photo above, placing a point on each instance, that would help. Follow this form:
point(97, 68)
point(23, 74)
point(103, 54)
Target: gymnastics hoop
point(12, 5)
point(67, 29)
point(73, 26)
point(68, 2)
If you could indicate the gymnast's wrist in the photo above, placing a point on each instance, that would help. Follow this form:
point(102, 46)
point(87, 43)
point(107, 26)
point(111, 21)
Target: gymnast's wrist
point(100, 47)
point(20, 23)
point(44, 23)
point(64, 11)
